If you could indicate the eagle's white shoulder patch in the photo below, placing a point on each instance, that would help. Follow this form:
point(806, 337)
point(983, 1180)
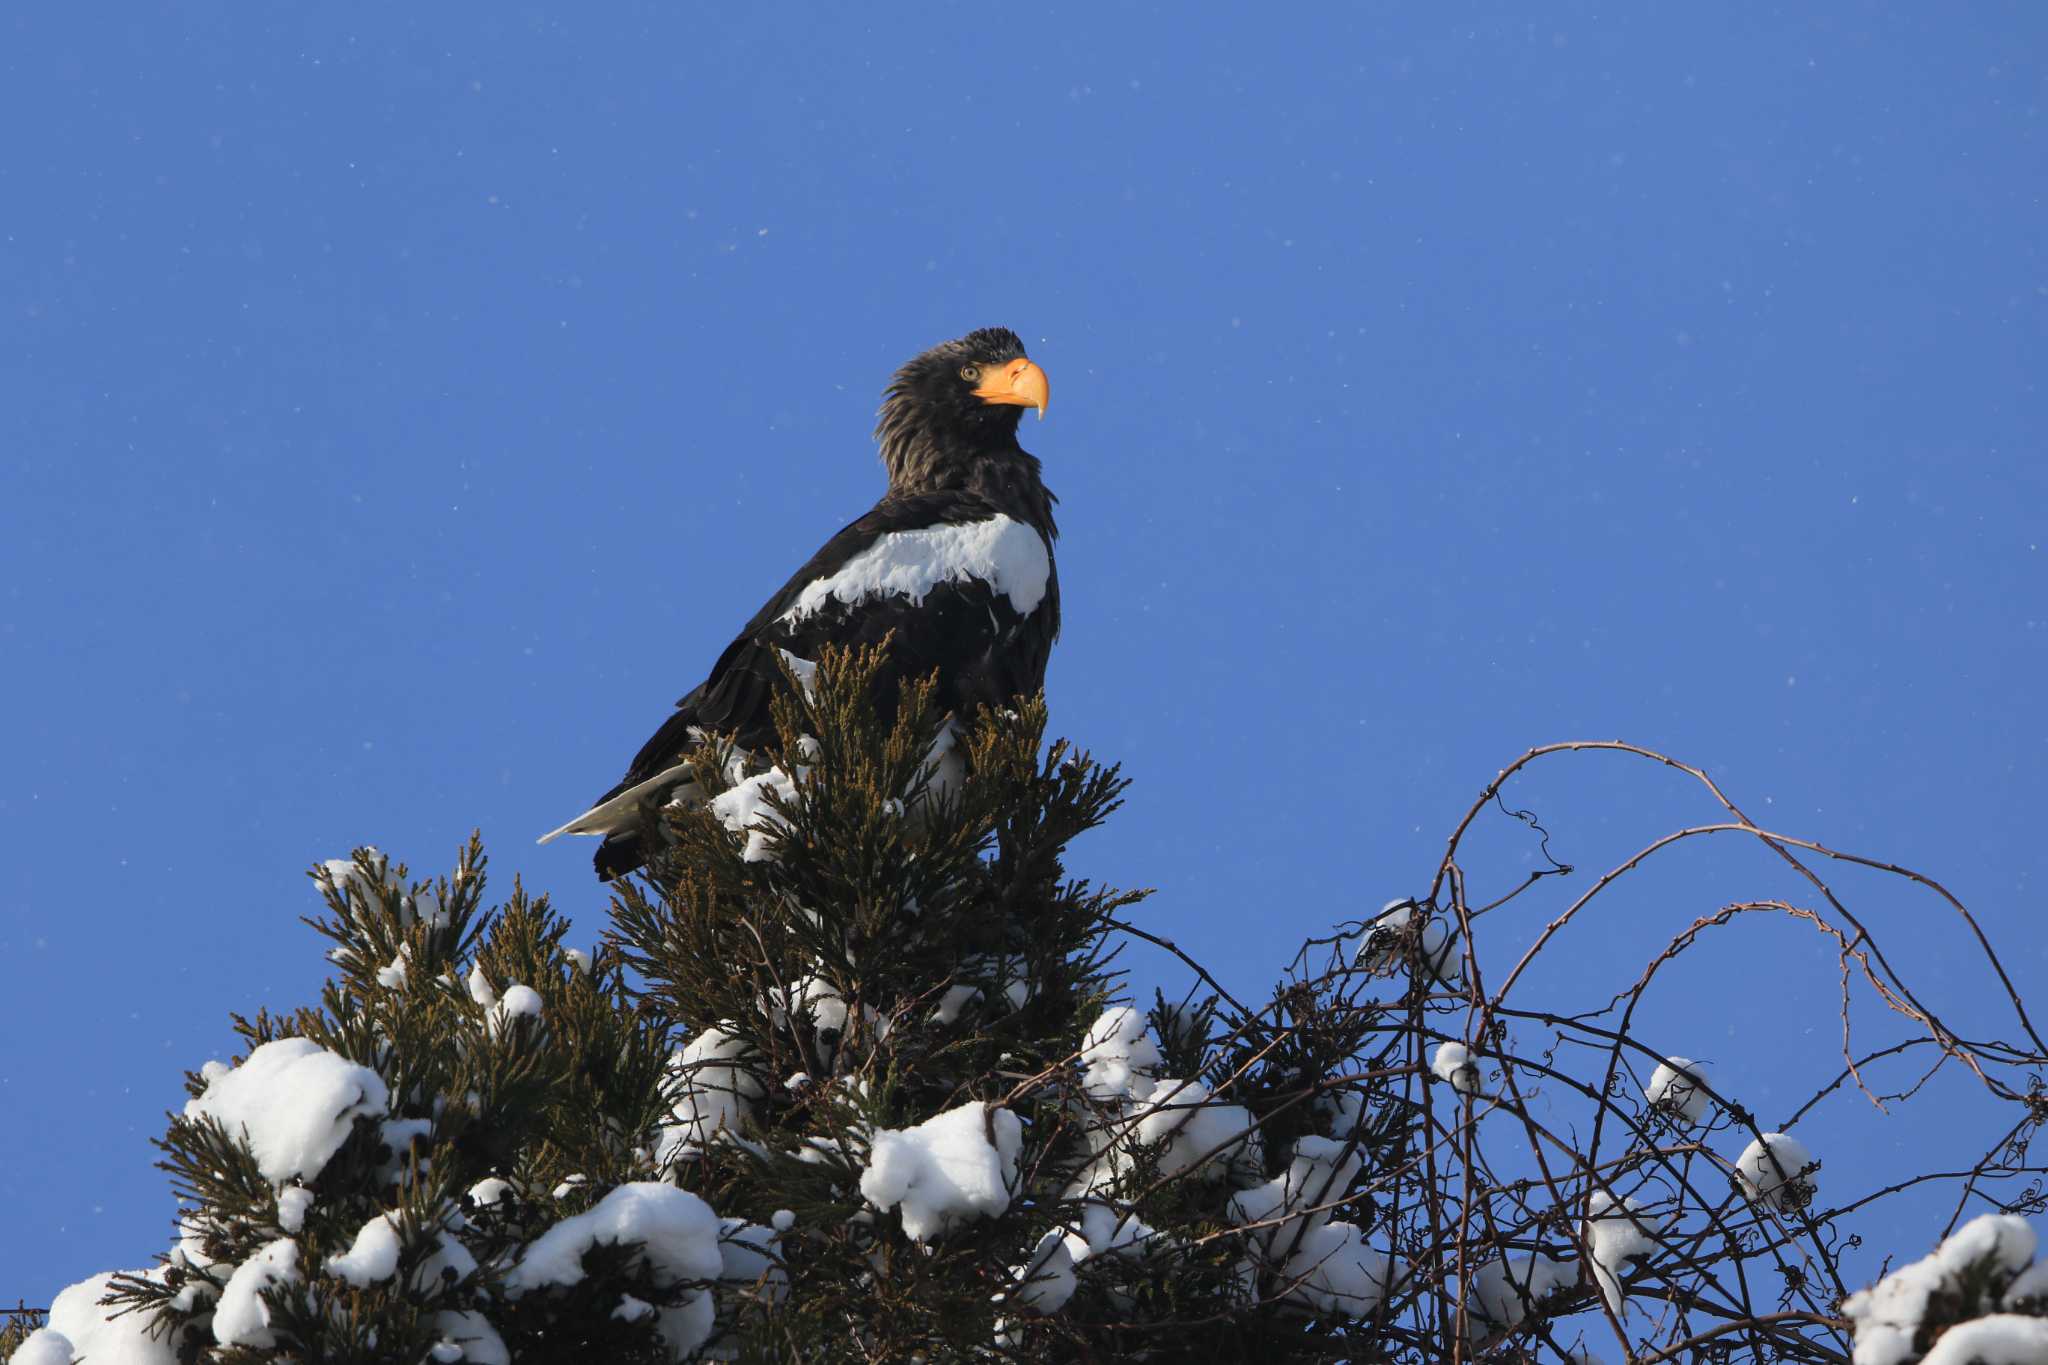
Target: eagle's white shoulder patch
point(1006, 554)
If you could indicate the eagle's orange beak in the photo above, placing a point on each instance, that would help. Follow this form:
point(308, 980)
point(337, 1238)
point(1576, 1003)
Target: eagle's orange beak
point(1019, 382)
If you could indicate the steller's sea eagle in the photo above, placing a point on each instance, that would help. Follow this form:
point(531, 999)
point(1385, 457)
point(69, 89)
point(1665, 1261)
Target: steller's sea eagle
point(956, 560)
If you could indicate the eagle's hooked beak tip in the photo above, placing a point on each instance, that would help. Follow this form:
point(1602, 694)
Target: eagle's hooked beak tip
point(1021, 383)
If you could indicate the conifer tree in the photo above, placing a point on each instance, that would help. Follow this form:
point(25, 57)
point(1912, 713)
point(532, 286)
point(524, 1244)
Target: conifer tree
point(852, 1075)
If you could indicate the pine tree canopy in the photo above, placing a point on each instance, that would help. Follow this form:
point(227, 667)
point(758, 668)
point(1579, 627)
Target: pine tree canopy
point(853, 1076)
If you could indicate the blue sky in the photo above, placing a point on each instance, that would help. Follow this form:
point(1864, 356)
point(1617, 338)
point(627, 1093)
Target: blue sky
point(404, 404)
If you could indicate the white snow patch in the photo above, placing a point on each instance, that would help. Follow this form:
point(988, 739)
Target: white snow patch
point(1385, 943)
point(1117, 1053)
point(292, 1203)
point(1678, 1086)
point(1776, 1171)
point(1103, 1229)
point(1195, 1128)
point(715, 1091)
point(1047, 1280)
point(2030, 1287)
point(518, 1002)
point(489, 1191)
point(294, 1102)
point(1504, 1291)
point(676, 1234)
point(1888, 1315)
point(393, 976)
point(372, 1258)
point(945, 1170)
point(805, 672)
point(43, 1347)
point(747, 809)
point(242, 1318)
point(451, 1261)
point(480, 987)
point(78, 1321)
point(1319, 1175)
point(1454, 1066)
point(2000, 1339)
point(1617, 1232)
point(752, 1255)
point(1007, 555)
point(688, 1325)
point(816, 997)
point(398, 1136)
point(956, 999)
point(473, 1338)
point(347, 877)
point(1338, 1274)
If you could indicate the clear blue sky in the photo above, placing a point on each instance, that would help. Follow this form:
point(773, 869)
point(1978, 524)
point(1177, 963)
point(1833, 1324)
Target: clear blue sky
point(402, 406)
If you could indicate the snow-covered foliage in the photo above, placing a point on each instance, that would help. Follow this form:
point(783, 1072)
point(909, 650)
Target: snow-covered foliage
point(1334, 1270)
point(242, 1317)
point(715, 1090)
point(1977, 1298)
point(750, 809)
point(83, 1327)
point(294, 1102)
point(1117, 1054)
point(953, 1167)
point(853, 1076)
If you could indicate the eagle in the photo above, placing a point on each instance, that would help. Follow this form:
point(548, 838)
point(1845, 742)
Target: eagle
point(953, 569)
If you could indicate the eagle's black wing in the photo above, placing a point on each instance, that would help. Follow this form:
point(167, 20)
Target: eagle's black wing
point(954, 585)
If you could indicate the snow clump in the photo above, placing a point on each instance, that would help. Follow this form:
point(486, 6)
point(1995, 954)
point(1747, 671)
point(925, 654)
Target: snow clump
point(1047, 1280)
point(2000, 1339)
point(676, 1237)
point(1319, 1175)
point(294, 1102)
point(715, 1091)
point(1454, 1066)
point(1616, 1233)
point(1103, 1228)
point(292, 1204)
point(1190, 1130)
point(518, 1002)
point(79, 1328)
point(1504, 1291)
point(372, 1258)
point(752, 1255)
point(1679, 1086)
point(242, 1318)
point(749, 809)
point(43, 1347)
point(1776, 1171)
point(946, 1170)
point(1117, 1054)
point(1890, 1315)
point(1336, 1273)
